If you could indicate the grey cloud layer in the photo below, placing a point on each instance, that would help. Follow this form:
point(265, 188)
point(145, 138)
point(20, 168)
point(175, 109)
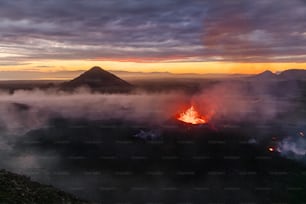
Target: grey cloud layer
point(258, 30)
point(153, 30)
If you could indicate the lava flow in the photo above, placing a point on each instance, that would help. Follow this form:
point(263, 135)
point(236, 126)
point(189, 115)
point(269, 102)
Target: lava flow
point(192, 116)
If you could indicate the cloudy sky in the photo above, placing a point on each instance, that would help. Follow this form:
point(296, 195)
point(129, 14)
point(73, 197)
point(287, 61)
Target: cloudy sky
point(162, 35)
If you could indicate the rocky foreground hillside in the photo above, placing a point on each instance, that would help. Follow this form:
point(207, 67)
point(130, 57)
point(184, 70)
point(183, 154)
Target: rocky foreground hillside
point(21, 190)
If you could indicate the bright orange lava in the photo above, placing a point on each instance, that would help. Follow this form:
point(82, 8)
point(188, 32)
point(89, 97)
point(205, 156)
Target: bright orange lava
point(192, 116)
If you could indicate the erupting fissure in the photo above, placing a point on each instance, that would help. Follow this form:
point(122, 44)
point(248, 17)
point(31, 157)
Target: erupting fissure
point(192, 116)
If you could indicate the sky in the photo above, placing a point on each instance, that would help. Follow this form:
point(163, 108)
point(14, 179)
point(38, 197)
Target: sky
point(178, 36)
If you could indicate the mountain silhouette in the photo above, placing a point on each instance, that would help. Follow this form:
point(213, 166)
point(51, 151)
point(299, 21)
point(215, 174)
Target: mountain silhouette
point(293, 74)
point(266, 75)
point(99, 80)
point(290, 74)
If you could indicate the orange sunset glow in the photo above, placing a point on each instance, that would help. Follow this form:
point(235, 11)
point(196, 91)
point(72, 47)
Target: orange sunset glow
point(172, 67)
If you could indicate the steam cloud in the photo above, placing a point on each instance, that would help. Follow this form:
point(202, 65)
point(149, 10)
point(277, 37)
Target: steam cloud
point(33, 109)
point(25, 110)
point(293, 146)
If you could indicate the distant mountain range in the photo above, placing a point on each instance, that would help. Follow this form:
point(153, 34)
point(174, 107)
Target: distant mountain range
point(126, 75)
point(291, 74)
point(99, 80)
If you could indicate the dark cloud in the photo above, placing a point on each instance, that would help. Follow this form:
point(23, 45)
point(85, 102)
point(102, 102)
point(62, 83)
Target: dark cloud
point(159, 30)
point(257, 30)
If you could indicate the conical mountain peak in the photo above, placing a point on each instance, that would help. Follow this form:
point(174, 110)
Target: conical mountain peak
point(96, 69)
point(98, 78)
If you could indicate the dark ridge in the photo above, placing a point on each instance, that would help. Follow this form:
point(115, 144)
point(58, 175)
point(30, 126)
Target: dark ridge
point(296, 74)
point(15, 188)
point(290, 74)
point(266, 75)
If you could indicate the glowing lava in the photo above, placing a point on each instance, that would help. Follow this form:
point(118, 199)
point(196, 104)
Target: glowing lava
point(192, 116)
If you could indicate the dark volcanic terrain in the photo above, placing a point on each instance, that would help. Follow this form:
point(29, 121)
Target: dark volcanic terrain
point(16, 189)
point(169, 164)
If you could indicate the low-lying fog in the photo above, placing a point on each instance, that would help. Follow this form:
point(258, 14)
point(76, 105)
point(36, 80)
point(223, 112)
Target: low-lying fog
point(24, 110)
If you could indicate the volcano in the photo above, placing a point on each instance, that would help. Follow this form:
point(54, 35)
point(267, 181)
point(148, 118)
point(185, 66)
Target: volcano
point(98, 79)
point(191, 116)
